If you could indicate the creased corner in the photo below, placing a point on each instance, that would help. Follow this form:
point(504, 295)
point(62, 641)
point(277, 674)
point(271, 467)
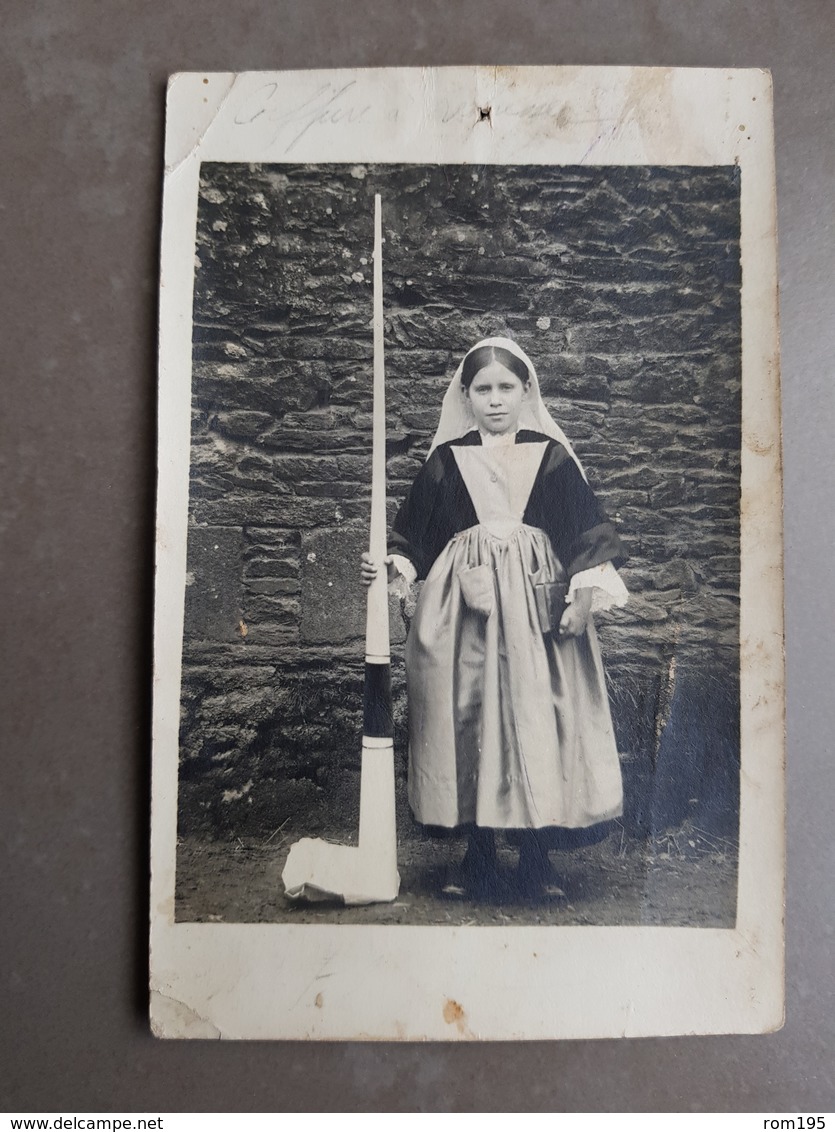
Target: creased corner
point(171, 1018)
point(191, 144)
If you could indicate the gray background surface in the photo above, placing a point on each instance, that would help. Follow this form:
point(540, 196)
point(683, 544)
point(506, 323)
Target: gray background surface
point(80, 177)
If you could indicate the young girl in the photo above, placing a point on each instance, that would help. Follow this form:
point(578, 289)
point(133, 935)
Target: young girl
point(509, 722)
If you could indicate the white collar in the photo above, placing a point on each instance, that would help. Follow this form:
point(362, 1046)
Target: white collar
point(498, 440)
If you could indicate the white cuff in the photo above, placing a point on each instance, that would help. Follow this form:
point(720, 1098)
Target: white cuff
point(606, 584)
point(406, 575)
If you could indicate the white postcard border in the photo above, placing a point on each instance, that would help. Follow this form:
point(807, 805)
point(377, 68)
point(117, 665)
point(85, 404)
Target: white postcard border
point(378, 982)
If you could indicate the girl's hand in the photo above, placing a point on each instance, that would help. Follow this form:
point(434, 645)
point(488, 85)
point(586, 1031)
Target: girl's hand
point(575, 619)
point(369, 568)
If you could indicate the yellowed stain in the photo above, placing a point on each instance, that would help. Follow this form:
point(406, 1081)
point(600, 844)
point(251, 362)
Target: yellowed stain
point(453, 1012)
point(455, 1015)
point(759, 446)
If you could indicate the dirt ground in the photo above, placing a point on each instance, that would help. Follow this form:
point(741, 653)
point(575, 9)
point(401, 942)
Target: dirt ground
point(685, 878)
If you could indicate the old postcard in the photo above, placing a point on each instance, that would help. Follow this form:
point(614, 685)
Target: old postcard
point(468, 708)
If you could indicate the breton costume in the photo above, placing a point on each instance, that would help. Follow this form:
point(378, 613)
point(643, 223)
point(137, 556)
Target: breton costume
point(509, 725)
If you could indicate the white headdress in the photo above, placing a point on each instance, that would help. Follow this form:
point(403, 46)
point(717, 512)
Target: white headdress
point(457, 417)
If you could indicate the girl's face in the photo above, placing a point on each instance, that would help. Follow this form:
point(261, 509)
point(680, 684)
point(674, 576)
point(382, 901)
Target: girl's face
point(496, 397)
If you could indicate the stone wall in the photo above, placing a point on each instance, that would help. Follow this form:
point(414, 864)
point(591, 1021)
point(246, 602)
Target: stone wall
point(623, 285)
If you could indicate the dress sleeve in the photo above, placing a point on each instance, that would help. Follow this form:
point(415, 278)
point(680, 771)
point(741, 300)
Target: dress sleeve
point(405, 577)
point(565, 507)
point(411, 523)
point(606, 585)
point(422, 526)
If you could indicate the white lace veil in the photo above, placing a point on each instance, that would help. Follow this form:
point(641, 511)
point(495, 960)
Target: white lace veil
point(457, 418)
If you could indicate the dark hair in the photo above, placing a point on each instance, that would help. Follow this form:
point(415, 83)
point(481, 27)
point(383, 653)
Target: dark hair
point(478, 359)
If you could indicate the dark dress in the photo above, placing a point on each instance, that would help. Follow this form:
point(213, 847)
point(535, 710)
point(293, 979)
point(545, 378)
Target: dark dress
point(509, 727)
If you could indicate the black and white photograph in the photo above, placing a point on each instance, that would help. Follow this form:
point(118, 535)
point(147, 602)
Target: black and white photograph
point(467, 625)
point(562, 426)
point(416, 544)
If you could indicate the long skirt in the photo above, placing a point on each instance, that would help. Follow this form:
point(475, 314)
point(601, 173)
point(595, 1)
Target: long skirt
point(509, 727)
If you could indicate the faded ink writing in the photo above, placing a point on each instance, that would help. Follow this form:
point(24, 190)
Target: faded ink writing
point(329, 105)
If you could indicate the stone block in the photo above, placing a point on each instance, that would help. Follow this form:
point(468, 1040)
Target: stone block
point(242, 424)
point(213, 583)
point(333, 605)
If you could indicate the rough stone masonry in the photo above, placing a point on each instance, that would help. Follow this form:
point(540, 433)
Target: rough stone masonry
point(623, 285)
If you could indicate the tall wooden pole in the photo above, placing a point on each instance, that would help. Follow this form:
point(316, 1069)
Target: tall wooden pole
point(377, 649)
point(377, 822)
point(377, 722)
point(316, 869)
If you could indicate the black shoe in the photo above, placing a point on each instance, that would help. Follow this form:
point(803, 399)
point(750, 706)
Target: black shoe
point(534, 878)
point(475, 878)
point(538, 889)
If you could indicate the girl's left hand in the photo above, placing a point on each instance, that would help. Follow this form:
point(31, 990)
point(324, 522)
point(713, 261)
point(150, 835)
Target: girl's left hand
point(575, 619)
